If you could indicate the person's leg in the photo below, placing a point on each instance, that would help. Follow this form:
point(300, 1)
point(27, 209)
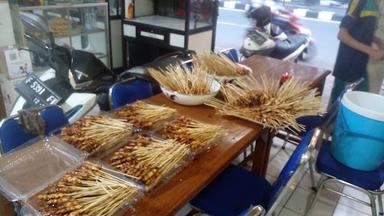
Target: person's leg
point(338, 87)
point(364, 86)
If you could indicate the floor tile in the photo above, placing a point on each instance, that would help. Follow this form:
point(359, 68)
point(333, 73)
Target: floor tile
point(300, 201)
point(343, 210)
point(287, 212)
point(322, 209)
point(353, 204)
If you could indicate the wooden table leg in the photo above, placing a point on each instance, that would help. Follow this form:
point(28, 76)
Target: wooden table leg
point(261, 152)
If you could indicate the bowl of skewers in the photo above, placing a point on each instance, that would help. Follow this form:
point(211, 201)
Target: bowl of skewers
point(184, 86)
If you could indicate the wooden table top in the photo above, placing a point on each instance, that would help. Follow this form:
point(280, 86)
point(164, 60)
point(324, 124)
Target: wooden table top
point(173, 195)
point(315, 76)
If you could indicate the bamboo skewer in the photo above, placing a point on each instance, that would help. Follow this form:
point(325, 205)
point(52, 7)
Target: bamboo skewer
point(149, 159)
point(264, 101)
point(96, 133)
point(195, 135)
point(219, 64)
point(184, 81)
point(145, 115)
point(88, 190)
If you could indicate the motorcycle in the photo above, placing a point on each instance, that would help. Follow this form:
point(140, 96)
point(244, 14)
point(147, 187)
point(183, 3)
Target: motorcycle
point(269, 39)
point(289, 23)
point(76, 80)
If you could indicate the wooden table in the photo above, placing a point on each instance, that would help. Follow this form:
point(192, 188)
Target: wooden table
point(171, 196)
point(315, 76)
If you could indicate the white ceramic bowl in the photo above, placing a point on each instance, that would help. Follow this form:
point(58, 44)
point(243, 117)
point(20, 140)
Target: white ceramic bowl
point(191, 100)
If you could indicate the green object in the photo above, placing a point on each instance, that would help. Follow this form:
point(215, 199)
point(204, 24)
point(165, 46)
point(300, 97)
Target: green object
point(340, 85)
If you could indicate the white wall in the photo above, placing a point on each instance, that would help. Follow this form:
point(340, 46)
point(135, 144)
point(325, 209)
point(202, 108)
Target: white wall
point(6, 37)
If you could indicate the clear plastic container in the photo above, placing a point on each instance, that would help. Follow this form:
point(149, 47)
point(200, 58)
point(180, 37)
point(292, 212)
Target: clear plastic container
point(138, 170)
point(31, 167)
point(36, 206)
point(111, 131)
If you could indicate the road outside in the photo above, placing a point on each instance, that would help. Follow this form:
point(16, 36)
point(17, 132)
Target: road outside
point(232, 25)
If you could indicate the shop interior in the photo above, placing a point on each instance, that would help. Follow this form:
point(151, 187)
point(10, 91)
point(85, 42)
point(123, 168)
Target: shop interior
point(128, 107)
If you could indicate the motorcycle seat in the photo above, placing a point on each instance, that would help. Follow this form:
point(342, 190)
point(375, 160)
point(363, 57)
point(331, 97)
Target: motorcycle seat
point(284, 48)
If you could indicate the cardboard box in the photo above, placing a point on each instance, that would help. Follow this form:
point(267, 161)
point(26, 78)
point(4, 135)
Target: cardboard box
point(8, 91)
point(14, 63)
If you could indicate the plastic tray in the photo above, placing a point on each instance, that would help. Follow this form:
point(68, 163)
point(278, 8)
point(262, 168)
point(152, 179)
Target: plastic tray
point(156, 125)
point(109, 144)
point(31, 167)
point(34, 205)
point(165, 176)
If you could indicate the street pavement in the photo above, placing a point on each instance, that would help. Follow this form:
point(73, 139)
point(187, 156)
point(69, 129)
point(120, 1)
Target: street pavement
point(232, 25)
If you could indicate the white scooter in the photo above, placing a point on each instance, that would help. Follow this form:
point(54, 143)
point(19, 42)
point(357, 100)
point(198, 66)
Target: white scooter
point(267, 39)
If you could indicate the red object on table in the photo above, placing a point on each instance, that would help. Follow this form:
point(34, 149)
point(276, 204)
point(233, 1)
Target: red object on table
point(284, 77)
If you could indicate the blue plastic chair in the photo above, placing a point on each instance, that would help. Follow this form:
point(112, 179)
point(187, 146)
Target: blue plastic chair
point(234, 190)
point(54, 118)
point(13, 135)
point(332, 171)
point(231, 53)
point(128, 92)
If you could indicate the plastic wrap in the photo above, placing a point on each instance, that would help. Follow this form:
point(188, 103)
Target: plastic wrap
point(146, 116)
point(121, 191)
point(146, 159)
point(197, 136)
point(97, 134)
point(33, 166)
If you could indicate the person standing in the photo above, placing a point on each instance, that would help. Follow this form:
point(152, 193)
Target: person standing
point(356, 36)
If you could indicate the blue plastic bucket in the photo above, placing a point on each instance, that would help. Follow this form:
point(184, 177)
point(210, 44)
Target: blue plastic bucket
point(358, 136)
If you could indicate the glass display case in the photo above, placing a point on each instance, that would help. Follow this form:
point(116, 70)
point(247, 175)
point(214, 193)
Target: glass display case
point(164, 26)
point(81, 26)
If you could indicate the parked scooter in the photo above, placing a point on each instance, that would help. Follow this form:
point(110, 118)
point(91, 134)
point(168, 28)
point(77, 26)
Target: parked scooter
point(77, 80)
point(268, 39)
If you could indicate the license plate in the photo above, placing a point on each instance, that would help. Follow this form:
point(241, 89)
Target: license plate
point(34, 91)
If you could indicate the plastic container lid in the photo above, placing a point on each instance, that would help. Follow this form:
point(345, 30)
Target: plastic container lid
point(364, 103)
point(33, 166)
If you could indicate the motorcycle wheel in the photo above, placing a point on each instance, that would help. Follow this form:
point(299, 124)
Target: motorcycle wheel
point(309, 53)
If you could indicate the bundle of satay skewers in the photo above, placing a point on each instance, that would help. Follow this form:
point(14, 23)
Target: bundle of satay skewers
point(148, 160)
point(94, 134)
point(183, 80)
point(220, 65)
point(144, 115)
point(87, 190)
point(197, 136)
point(268, 102)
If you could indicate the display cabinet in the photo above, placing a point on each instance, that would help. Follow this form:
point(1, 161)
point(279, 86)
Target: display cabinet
point(81, 26)
point(155, 27)
point(116, 42)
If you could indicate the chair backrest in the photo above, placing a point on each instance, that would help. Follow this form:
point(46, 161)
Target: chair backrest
point(293, 164)
point(13, 134)
point(124, 93)
point(54, 118)
point(231, 54)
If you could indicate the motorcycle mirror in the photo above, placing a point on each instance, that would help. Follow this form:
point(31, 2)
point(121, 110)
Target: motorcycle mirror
point(36, 23)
